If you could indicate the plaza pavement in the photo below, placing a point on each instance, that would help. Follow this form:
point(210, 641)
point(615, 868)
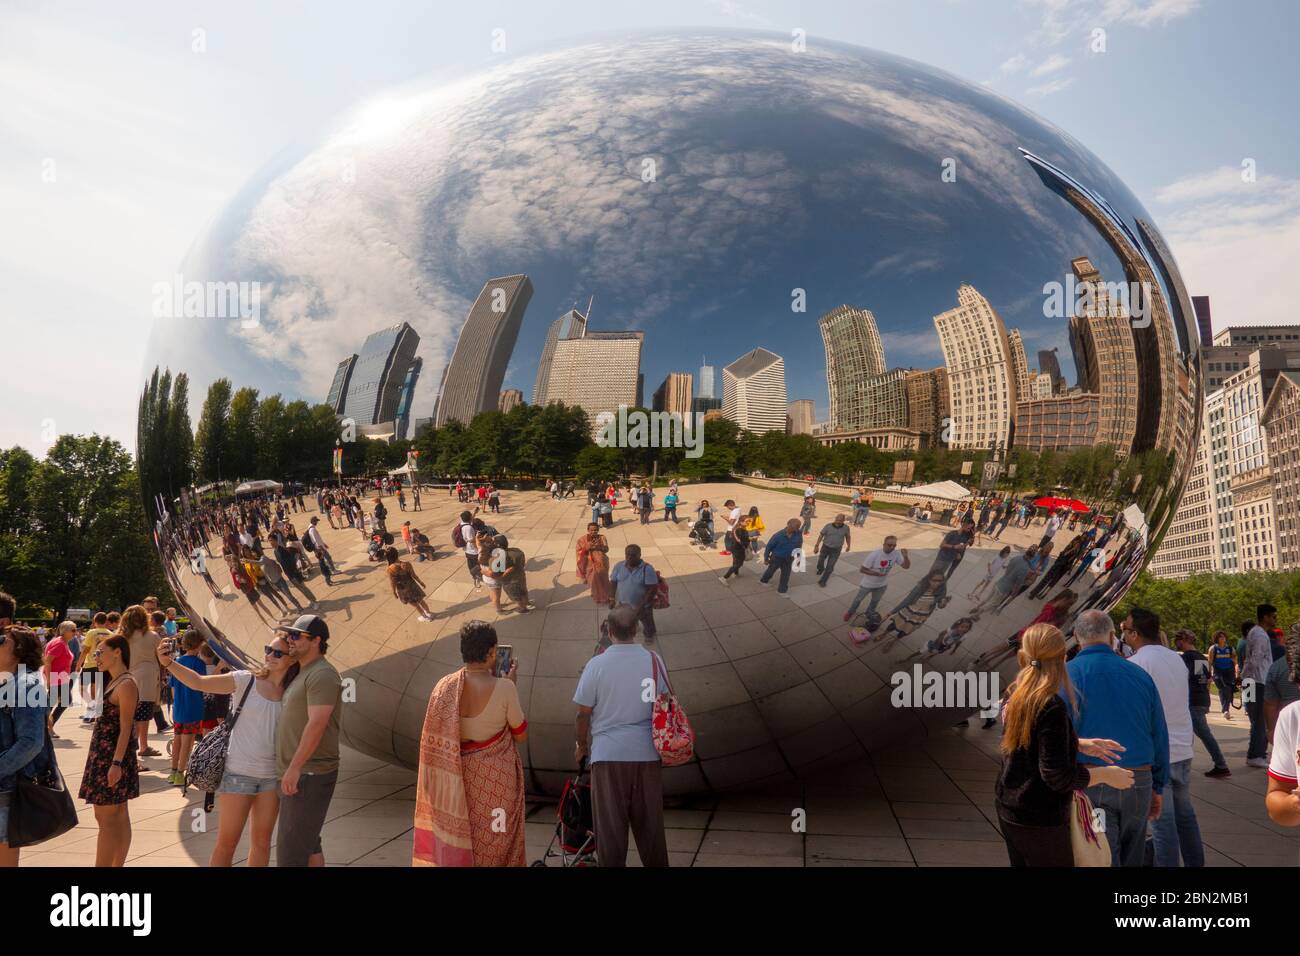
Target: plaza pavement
point(927, 804)
point(766, 664)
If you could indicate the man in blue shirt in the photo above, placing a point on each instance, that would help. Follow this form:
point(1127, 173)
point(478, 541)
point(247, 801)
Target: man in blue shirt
point(615, 698)
point(635, 583)
point(1117, 700)
point(779, 554)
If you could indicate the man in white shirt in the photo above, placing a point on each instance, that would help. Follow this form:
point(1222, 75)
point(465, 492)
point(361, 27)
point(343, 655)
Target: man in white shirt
point(875, 568)
point(732, 517)
point(327, 566)
point(1175, 831)
point(1254, 673)
point(471, 549)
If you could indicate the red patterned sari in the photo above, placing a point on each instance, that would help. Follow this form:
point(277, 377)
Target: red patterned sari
point(462, 789)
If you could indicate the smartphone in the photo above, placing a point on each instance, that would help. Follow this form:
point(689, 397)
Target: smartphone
point(505, 657)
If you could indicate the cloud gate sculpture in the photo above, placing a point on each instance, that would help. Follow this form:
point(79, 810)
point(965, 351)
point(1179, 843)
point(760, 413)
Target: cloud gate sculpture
point(852, 245)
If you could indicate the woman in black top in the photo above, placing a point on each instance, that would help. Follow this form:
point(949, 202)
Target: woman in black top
point(1040, 750)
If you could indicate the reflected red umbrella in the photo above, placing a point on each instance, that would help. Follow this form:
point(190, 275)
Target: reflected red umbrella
point(1074, 504)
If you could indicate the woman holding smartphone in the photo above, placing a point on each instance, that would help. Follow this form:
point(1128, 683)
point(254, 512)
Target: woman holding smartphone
point(470, 770)
point(251, 783)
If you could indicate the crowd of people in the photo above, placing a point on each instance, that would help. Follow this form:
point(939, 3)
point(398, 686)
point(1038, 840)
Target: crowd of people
point(1110, 715)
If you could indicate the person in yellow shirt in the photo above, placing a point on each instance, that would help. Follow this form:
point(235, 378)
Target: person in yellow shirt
point(85, 664)
point(755, 526)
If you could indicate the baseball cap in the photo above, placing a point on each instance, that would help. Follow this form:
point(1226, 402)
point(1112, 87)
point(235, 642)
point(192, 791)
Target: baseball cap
point(309, 624)
point(315, 518)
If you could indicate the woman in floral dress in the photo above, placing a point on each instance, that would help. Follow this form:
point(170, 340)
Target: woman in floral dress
point(112, 775)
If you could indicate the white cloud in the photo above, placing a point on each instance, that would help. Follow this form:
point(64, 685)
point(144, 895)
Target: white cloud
point(1051, 86)
point(1052, 64)
point(1014, 65)
point(1236, 242)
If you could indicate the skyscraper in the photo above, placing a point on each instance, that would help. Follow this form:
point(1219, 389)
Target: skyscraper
point(571, 325)
point(854, 353)
point(338, 395)
point(381, 369)
point(509, 399)
point(800, 417)
point(708, 382)
point(1104, 358)
point(927, 404)
point(1281, 421)
point(472, 382)
point(1020, 364)
point(981, 379)
point(598, 372)
point(675, 394)
point(1048, 362)
point(406, 397)
point(753, 391)
point(1201, 305)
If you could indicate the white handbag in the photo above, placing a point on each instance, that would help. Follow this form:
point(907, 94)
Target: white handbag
point(1087, 832)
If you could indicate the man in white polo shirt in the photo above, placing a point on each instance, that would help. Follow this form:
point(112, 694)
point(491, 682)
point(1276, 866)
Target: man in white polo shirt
point(1175, 831)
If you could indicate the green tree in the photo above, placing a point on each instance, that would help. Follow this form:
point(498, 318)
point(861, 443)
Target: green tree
point(211, 437)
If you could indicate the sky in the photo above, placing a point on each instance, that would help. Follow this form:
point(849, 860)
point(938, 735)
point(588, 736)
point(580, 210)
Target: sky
point(126, 131)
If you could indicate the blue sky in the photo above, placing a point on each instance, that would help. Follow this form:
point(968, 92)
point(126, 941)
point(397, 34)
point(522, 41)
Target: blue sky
point(120, 142)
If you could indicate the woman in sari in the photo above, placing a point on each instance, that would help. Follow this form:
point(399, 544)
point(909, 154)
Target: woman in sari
point(470, 771)
point(593, 564)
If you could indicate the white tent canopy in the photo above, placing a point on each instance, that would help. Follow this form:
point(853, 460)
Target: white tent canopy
point(255, 487)
point(404, 470)
point(947, 490)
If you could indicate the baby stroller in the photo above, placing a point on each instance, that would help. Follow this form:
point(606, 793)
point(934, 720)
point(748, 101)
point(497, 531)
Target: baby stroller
point(700, 532)
point(575, 829)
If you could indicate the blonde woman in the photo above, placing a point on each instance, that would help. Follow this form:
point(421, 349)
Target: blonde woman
point(1040, 750)
point(250, 785)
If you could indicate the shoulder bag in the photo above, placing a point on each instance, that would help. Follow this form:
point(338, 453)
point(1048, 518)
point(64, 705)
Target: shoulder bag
point(1089, 844)
point(208, 758)
point(41, 807)
point(671, 731)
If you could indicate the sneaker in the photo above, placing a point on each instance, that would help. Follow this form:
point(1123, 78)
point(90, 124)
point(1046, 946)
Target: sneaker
point(176, 778)
point(724, 580)
point(478, 585)
point(1257, 762)
point(988, 722)
point(1219, 772)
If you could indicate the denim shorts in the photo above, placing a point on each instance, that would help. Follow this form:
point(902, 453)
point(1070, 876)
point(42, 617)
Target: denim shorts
point(248, 786)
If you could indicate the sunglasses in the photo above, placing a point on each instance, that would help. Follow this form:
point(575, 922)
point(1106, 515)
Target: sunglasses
point(274, 652)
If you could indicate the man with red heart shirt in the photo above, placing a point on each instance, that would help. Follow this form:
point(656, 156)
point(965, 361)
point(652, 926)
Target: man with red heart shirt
point(875, 569)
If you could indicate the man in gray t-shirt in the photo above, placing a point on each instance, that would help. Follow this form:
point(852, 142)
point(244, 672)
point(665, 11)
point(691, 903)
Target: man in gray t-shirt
point(634, 585)
point(833, 540)
point(615, 698)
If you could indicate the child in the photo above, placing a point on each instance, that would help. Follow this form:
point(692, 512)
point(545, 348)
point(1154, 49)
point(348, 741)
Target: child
point(215, 707)
point(995, 567)
point(187, 708)
point(406, 537)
